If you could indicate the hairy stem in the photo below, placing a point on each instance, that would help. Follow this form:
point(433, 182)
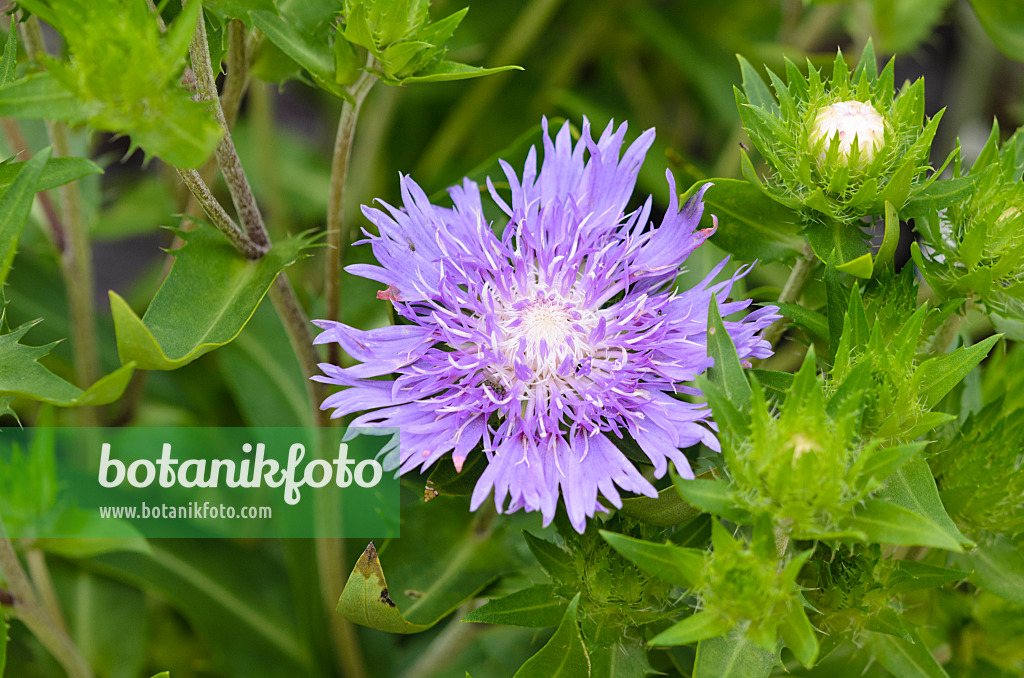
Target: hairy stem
point(337, 238)
point(794, 287)
point(237, 80)
point(26, 606)
point(218, 215)
point(76, 257)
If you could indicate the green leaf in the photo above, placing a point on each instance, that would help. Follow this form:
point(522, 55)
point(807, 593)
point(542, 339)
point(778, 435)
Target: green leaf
point(445, 71)
point(938, 376)
point(732, 656)
point(237, 609)
point(938, 196)
point(903, 658)
point(727, 372)
point(533, 607)
point(998, 567)
point(40, 97)
point(555, 561)
point(312, 54)
point(263, 374)
point(4, 626)
point(890, 239)
point(667, 510)
point(912, 486)
point(564, 656)
point(441, 561)
point(22, 376)
point(757, 92)
point(56, 172)
point(15, 206)
point(798, 634)
point(698, 627)
point(446, 481)
point(886, 523)
point(913, 575)
point(751, 225)
point(812, 320)
point(847, 241)
point(1003, 20)
point(675, 564)
point(710, 496)
point(7, 67)
point(208, 297)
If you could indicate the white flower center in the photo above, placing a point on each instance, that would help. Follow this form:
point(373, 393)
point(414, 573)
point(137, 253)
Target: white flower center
point(547, 334)
point(850, 121)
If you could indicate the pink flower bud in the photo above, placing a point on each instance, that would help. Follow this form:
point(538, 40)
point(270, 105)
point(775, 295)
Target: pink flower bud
point(849, 120)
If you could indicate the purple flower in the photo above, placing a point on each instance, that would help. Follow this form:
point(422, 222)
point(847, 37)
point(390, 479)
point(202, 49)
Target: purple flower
point(545, 342)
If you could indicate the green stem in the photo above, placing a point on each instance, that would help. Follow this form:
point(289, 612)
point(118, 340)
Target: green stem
point(26, 606)
point(446, 647)
point(76, 257)
point(794, 287)
point(336, 236)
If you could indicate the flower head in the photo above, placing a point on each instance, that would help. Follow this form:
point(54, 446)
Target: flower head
point(850, 121)
point(546, 341)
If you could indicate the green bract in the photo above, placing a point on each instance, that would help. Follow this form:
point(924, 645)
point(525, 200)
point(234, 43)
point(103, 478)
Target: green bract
point(975, 247)
point(125, 78)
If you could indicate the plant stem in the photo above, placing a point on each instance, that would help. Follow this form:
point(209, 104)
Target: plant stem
point(336, 236)
point(35, 617)
point(794, 287)
point(330, 558)
point(40, 574)
point(227, 156)
point(237, 80)
point(76, 257)
point(218, 215)
point(297, 325)
point(19, 145)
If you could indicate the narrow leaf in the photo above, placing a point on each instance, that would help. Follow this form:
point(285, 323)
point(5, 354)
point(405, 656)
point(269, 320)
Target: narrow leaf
point(667, 510)
point(912, 486)
point(445, 71)
point(711, 496)
point(56, 172)
point(40, 97)
point(553, 559)
point(998, 567)
point(939, 375)
point(903, 658)
point(799, 636)
point(751, 225)
point(812, 320)
point(15, 205)
point(727, 372)
point(7, 65)
point(890, 239)
point(698, 627)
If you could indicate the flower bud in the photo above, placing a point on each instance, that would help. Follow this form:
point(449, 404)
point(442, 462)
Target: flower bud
point(849, 120)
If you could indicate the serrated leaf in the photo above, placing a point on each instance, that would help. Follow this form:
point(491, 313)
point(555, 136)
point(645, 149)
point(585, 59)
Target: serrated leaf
point(208, 297)
point(22, 376)
point(445, 71)
point(40, 97)
point(912, 486)
point(15, 206)
point(533, 607)
point(938, 196)
point(695, 628)
point(938, 376)
point(751, 225)
point(727, 372)
point(667, 510)
point(675, 564)
point(885, 523)
point(732, 656)
point(553, 559)
point(997, 567)
point(564, 656)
